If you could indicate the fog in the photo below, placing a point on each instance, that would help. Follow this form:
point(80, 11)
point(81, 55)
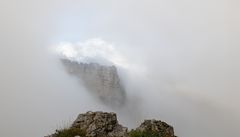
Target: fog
point(182, 59)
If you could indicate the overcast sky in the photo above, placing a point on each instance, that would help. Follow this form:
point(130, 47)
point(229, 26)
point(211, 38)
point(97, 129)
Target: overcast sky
point(184, 56)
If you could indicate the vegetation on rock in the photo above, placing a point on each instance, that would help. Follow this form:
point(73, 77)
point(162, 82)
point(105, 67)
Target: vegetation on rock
point(70, 132)
point(138, 133)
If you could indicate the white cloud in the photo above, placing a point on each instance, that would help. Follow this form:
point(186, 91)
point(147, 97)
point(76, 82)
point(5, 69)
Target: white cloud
point(92, 50)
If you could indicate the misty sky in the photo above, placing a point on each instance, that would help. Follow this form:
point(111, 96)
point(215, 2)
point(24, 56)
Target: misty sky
point(184, 58)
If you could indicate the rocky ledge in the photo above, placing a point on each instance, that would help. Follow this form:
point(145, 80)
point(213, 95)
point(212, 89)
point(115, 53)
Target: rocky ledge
point(103, 124)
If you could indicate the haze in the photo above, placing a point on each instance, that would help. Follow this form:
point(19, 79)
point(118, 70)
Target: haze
point(183, 57)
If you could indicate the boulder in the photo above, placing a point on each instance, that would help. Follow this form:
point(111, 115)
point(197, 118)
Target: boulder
point(158, 127)
point(100, 124)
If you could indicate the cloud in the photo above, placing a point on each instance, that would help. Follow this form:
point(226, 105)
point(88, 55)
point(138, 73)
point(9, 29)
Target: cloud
point(92, 50)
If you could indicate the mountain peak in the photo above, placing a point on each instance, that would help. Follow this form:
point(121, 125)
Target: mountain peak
point(102, 81)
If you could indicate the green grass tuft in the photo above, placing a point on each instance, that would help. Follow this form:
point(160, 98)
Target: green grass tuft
point(71, 132)
point(137, 133)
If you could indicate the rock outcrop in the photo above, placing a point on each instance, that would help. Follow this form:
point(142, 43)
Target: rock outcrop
point(103, 124)
point(101, 81)
point(100, 124)
point(157, 126)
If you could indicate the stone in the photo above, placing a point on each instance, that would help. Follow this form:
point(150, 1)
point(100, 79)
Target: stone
point(162, 128)
point(100, 124)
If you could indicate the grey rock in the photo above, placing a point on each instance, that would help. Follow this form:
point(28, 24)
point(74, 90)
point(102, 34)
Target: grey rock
point(100, 124)
point(162, 128)
point(103, 124)
point(102, 81)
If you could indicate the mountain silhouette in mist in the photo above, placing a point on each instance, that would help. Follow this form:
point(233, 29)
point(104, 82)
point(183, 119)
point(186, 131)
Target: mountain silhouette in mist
point(102, 81)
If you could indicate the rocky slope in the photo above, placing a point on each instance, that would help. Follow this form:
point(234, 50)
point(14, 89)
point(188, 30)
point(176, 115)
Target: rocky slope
point(101, 81)
point(103, 124)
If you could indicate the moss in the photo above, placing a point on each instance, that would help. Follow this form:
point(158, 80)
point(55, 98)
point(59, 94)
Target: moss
point(137, 133)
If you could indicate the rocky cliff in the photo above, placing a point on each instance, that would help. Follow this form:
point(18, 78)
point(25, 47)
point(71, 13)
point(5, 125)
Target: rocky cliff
point(101, 81)
point(103, 124)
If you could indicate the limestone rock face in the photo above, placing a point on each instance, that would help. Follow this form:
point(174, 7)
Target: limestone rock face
point(162, 128)
point(100, 124)
point(102, 81)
